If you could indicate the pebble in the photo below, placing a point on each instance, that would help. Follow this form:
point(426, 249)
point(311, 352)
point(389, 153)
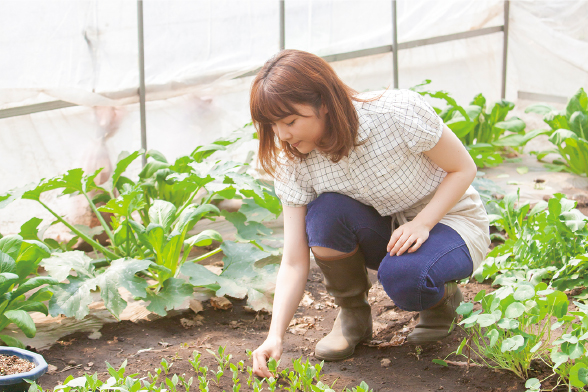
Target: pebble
point(72, 363)
point(385, 362)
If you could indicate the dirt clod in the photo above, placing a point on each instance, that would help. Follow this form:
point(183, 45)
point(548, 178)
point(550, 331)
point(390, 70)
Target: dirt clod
point(220, 303)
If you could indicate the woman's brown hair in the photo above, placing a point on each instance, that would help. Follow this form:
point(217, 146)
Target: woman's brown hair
point(298, 77)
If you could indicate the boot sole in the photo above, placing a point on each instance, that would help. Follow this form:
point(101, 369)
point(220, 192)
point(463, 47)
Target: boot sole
point(336, 358)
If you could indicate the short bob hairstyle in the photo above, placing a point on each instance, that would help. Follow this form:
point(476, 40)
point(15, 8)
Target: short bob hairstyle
point(297, 77)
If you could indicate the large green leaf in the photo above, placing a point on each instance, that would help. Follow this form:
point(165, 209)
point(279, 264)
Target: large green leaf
point(577, 103)
point(10, 245)
point(162, 213)
point(130, 200)
point(152, 167)
point(172, 295)
point(200, 153)
point(29, 230)
point(12, 341)
point(512, 344)
point(123, 162)
point(241, 253)
point(121, 273)
point(246, 231)
point(556, 120)
point(579, 124)
point(192, 214)
point(270, 202)
point(72, 299)
point(31, 306)
point(559, 137)
point(59, 265)
point(7, 263)
point(15, 194)
point(33, 283)
point(539, 108)
point(23, 321)
point(244, 181)
point(199, 275)
point(513, 124)
point(204, 238)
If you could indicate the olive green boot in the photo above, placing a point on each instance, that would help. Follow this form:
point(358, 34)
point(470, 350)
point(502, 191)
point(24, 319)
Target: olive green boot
point(346, 279)
point(437, 322)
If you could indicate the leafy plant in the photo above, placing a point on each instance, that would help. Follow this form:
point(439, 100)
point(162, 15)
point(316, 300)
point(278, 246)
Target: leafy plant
point(513, 327)
point(19, 259)
point(548, 241)
point(482, 129)
point(569, 133)
point(150, 222)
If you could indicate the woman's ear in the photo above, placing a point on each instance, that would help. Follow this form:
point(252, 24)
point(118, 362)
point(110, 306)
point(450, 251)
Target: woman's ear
point(323, 110)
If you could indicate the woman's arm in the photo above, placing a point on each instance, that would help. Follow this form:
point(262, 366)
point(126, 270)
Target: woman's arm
point(290, 285)
point(450, 155)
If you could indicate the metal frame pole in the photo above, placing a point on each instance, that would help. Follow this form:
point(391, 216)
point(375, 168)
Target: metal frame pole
point(505, 47)
point(394, 44)
point(142, 79)
point(282, 25)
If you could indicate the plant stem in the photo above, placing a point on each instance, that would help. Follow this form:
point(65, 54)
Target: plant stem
point(204, 256)
point(101, 219)
point(89, 240)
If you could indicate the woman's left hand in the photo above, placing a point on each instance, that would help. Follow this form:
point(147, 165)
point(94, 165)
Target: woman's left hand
point(407, 237)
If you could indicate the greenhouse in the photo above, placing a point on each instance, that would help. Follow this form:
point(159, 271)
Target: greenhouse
point(300, 195)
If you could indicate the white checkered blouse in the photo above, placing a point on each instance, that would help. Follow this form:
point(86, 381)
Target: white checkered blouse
point(389, 172)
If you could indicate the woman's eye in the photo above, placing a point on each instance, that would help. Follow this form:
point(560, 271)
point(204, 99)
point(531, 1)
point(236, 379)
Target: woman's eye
point(291, 123)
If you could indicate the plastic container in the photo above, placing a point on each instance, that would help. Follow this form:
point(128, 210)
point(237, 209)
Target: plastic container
point(15, 382)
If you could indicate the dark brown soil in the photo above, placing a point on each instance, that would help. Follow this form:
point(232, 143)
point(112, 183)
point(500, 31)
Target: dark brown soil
point(410, 368)
point(11, 364)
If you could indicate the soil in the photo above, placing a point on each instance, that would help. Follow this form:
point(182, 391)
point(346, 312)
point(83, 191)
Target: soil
point(11, 364)
point(386, 363)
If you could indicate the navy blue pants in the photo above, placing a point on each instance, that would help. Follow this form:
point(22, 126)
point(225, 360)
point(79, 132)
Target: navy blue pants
point(414, 281)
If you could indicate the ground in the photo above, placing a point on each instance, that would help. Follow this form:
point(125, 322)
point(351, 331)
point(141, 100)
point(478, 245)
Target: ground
point(410, 368)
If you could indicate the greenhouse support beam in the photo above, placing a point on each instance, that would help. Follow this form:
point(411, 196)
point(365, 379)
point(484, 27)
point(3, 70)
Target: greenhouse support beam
point(542, 97)
point(36, 108)
point(142, 79)
point(505, 47)
point(394, 44)
point(282, 25)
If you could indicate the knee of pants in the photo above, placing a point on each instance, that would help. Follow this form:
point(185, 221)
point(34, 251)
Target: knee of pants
point(402, 282)
point(325, 218)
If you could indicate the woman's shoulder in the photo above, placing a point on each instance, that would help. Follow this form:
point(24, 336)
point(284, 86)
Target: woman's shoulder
point(388, 101)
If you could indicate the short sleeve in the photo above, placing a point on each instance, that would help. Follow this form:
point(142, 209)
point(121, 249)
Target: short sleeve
point(293, 186)
point(419, 124)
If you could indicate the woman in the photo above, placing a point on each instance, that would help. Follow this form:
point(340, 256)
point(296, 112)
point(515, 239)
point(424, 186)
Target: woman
point(366, 180)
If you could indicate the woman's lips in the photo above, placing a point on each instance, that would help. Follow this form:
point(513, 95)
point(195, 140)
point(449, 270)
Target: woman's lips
point(296, 144)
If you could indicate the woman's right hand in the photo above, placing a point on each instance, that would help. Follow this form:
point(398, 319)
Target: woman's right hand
point(271, 348)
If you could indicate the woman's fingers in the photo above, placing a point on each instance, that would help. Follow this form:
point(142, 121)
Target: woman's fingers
point(395, 236)
point(416, 245)
point(260, 365)
point(409, 241)
point(399, 243)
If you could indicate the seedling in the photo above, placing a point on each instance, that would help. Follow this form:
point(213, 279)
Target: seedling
point(236, 387)
point(165, 365)
point(250, 378)
point(222, 359)
point(218, 374)
point(272, 366)
point(186, 383)
point(235, 370)
point(272, 384)
point(172, 383)
point(258, 384)
point(202, 383)
point(195, 362)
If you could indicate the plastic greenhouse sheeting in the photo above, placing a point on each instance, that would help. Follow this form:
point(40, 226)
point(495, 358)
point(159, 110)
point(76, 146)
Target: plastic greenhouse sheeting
point(86, 52)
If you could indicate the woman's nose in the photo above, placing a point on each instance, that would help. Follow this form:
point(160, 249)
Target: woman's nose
point(283, 133)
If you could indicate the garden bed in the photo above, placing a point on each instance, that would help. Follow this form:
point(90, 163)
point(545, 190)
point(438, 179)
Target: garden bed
point(410, 368)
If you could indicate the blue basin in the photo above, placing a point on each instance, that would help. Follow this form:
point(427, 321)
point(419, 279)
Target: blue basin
point(15, 382)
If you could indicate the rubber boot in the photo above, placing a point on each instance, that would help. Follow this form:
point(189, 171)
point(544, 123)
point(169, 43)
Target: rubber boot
point(347, 280)
point(436, 323)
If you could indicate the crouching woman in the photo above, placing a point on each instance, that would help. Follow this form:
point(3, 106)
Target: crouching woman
point(370, 180)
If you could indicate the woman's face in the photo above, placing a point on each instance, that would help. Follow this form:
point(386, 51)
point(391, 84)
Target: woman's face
point(304, 130)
